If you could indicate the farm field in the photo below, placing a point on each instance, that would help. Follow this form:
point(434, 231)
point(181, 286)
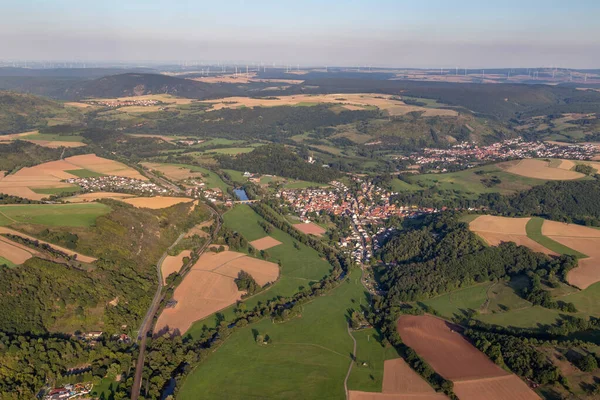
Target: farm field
point(535, 231)
point(494, 230)
point(173, 264)
point(155, 203)
point(87, 197)
point(310, 229)
point(210, 287)
point(454, 358)
point(296, 271)
point(45, 140)
point(540, 169)
point(14, 253)
point(264, 243)
point(231, 150)
point(471, 181)
point(178, 172)
point(74, 215)
point(8, 263)
point(307, 357)
point(48, 176)
point(356, 101)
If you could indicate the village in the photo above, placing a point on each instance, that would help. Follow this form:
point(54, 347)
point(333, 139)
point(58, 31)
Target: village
point(467, 154)
point(125, 103)
point(120, 184)
point(367, 205)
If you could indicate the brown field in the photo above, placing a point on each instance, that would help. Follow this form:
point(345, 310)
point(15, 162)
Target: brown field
point(56, 144)
point(14, 136)
point(583, 239)
point(210, 287)
point(495, 230)
point(498, 388)
point(168, 139)
point(264, 243)
point(399, 377)
point(310, 229)
point(104, 166)
point(173, 264)
point(50, 175)
point(80, 257)
point(356, 395)
point(77, 104)
point(14, 252)
point(446, 350)
point(360, 100)
point(540, 169)
point(155, 203)
point(474, 375)
point(85, 197)
point(172, 172)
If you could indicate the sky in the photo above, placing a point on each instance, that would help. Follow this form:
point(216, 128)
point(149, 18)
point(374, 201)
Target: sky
point(421, 34)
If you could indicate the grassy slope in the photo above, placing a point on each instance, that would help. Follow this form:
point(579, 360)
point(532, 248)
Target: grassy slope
point(534, 232)
point(452, 303)
point(74, 215)
point(299, 267)
point(212, 180)
point(84, 173)
point(70, 189)
point(55, 138)
point(4, 261)
point(307, 359)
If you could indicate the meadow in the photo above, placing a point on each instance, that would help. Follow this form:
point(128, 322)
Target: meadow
point(70, 215)
point(299, 267)
point(4, 261)
point(534, 232)
point(50, 191)
point(307, 357)
point(84, 173)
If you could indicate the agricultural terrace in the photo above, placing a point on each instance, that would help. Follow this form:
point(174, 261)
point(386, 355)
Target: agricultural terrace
point(555, 169)
point(455, 359)
point(210, 287)
point(306, 357)
point(300, 265)
point(32, 182)
point(357, 101)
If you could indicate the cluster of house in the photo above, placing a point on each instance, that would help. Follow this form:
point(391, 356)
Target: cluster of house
point(197, 189)
point(189, 142)
point(466, 152)
point(366, 204)
point(121, 184)
point(124, 103)
point(69, 391)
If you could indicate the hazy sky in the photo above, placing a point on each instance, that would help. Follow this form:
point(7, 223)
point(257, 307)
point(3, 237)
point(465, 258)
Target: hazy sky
point(425, 33)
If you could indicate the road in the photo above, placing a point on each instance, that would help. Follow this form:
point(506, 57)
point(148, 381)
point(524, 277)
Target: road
point(146, 326)
point(351, 363)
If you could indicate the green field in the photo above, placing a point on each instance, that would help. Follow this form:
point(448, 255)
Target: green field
point(231, 150)
point(76, 215)
point(70, 189)
point(218, 141)
point(55, 137)
point(84, 173)
point(401, 186)
point(369, 350)
point(299, 267)
point(4, 261)
point(534, 232)
point(471, 183)
point(308, 357)
point(212, 180)
point(4, 220)
point(236, 176)
point(454, 303)
point(105, 388)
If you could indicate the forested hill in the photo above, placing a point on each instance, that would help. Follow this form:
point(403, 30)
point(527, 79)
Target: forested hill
point(136, 84)
point(23, 112)
point(278, 160)
point(502, 101)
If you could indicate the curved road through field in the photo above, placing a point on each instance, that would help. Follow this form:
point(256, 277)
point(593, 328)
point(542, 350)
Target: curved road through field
point(351, 363)
point(146, 325)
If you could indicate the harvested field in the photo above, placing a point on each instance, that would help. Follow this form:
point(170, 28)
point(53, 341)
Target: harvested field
point(85, 197)
point(446, 350)
point(155, 203)
point(500, 388)
point(80, 257)
point(494, 239)
point(541, 169)
point(54, 144)
point(310, 229)
point(399, 377)
point(355, 100)
point(494, 224)
point(14, 252)
point(104, 166)
point(553, 228)
point(495, 230)
point(357, 395)
point(265, 243)
point(173, 264)
point(172, 172)
point(210, 287)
